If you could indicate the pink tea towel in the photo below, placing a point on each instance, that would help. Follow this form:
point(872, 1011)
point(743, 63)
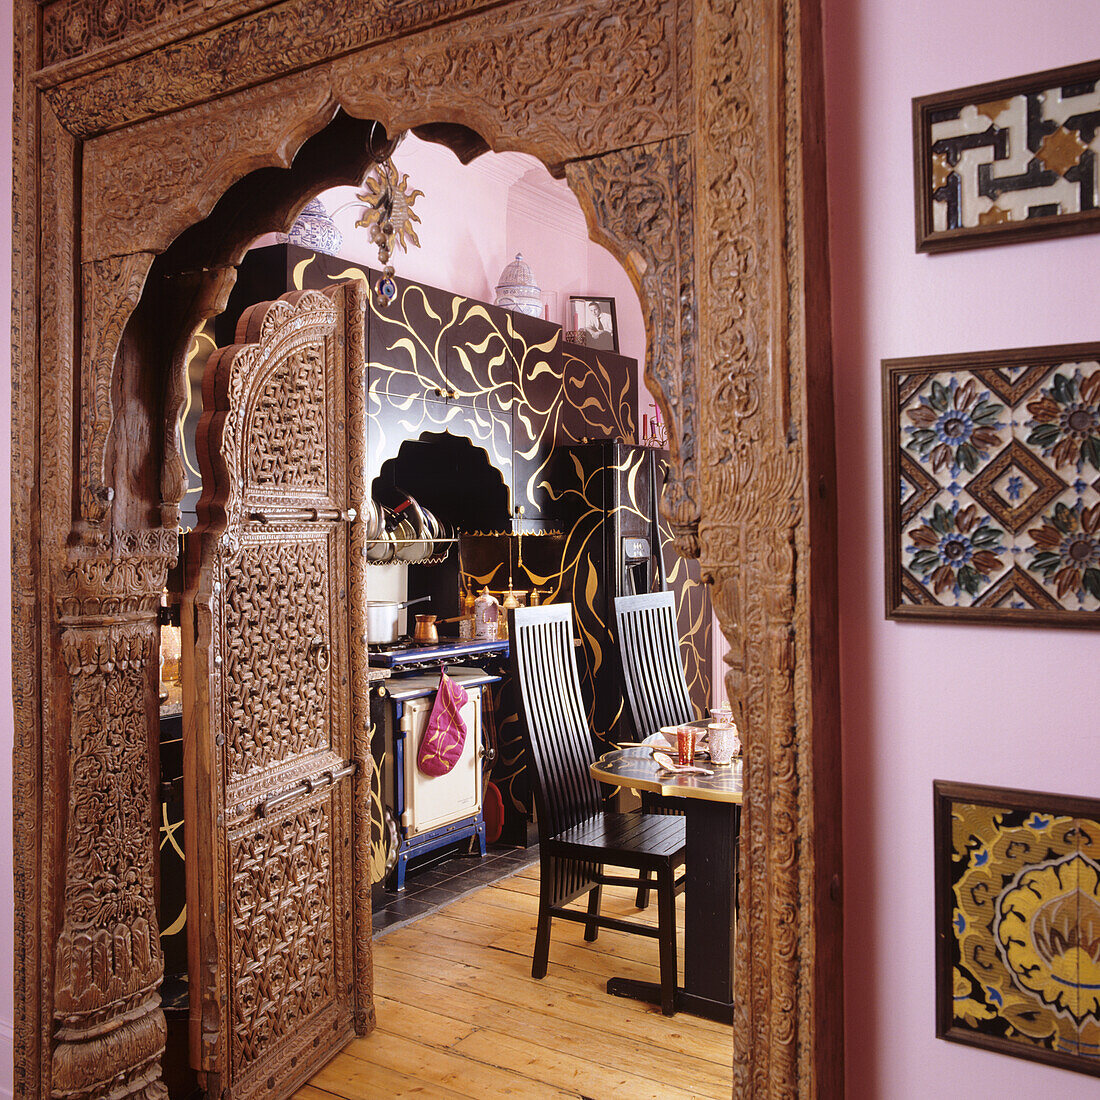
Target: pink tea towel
point(445, 733)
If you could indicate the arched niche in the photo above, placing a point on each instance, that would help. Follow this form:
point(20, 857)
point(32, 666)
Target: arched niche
point(691, 131)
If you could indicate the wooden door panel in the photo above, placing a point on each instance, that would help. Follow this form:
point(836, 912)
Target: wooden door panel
point(277, 938)
point(289, 939)
point(279, 708)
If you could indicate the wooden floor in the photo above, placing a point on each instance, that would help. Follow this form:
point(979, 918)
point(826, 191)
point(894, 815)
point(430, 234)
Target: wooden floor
point(460, 1015)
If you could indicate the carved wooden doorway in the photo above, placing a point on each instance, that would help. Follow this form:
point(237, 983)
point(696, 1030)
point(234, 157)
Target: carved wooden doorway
point(279, 939)
point(691, 132)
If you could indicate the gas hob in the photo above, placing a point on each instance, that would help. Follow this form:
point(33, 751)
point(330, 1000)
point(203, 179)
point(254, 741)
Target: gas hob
point(408, 654)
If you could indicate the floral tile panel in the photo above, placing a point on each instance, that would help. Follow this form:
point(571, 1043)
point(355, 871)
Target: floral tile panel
point(998, 484)
point(1018, 885)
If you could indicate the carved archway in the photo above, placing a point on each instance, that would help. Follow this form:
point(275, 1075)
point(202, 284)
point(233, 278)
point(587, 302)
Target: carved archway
point(691, 130)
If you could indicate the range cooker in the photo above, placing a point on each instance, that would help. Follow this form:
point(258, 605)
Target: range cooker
point(425, 812)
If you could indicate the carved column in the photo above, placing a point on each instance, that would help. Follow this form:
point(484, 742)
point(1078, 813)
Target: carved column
point(109, 1028)
point(111, 291)
point(638, 203)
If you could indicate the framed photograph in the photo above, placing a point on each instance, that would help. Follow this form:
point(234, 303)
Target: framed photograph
point(992, 486)
point(595, 317)
point(1009, 160)
point(1017, 923)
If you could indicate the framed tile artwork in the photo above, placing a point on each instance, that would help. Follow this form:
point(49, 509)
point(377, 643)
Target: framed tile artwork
point(1018, 923)
point(992, 486)
point(1009, 160)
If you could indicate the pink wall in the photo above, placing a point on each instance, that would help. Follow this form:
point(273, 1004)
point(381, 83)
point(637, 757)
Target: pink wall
point(474, 219)
point(1011, 707)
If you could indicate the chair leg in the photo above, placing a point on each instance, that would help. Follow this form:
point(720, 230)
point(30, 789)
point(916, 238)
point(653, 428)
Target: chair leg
point(666, 926)
point(642, 900)
point(542, 942)
point(591, 928)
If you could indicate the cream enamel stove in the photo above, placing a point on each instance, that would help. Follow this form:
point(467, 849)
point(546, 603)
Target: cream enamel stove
point(431, 812)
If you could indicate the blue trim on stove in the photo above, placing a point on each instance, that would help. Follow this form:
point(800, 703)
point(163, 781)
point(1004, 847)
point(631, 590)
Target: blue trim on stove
point(445, 651)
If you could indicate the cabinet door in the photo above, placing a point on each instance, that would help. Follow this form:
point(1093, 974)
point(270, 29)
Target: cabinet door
point(408, 344)
point(275, 935)
point(479, 359)
point(537, 412)
point(601, 395)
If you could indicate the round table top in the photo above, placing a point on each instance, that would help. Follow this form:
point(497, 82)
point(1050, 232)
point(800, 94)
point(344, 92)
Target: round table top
point(635, 767)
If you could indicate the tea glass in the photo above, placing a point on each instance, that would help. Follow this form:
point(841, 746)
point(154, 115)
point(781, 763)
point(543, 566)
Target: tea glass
point(685, 744)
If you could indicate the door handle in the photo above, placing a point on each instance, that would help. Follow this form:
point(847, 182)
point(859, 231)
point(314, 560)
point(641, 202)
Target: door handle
point(328, 778)
point(318, 650)
point(303, 515)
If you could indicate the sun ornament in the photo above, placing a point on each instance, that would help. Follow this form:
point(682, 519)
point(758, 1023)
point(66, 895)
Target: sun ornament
point(389, 218)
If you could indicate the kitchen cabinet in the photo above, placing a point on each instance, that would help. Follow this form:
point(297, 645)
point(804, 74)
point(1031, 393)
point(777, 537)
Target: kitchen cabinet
point(441, 362)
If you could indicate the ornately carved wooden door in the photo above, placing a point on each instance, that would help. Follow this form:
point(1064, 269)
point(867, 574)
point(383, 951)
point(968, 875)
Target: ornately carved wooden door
point(278, 935)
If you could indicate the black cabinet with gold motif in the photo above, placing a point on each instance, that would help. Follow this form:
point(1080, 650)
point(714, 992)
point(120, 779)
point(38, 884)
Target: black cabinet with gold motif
point(439, 362)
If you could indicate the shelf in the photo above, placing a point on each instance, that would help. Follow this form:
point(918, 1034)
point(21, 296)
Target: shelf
point(431, 559)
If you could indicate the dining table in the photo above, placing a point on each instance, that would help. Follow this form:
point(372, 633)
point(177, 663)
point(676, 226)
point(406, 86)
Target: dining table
point(712, 811)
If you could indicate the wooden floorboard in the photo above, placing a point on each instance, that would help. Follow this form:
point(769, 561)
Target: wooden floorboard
point(459, 1014)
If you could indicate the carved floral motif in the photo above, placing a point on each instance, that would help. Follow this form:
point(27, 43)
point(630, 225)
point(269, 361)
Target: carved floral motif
point(144, 185)
point(281, 931)
point(608, 73)
point(108, 963)
point(75, 28)
point(277, 707)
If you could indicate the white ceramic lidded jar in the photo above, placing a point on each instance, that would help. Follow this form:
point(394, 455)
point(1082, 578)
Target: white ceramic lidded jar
point(517, 289)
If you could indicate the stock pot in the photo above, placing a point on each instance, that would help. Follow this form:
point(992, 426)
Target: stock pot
point(382, 619)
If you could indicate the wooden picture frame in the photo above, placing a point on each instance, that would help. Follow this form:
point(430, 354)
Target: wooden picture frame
point(595, 317)
point(992, 486)
point(1017, 885)
point(1038, 128)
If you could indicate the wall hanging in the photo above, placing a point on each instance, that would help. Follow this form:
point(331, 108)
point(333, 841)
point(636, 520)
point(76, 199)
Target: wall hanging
point(1008, 160)
point(388, 216)
point(992, 486)
point(1018, 923)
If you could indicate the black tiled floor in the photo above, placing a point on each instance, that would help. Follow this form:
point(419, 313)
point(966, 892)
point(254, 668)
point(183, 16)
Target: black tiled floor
point(429, 887)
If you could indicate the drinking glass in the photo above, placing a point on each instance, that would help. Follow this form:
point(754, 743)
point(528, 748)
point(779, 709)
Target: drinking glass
point(685, 744)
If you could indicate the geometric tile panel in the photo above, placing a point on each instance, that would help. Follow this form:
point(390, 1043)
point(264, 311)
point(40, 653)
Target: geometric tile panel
point(1012, 160)
point(917, 488)
point(1015, 486)
point(995, 459)
point(1018, 591)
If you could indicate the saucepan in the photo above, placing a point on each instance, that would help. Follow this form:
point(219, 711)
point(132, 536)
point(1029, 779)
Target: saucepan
point(382, 619)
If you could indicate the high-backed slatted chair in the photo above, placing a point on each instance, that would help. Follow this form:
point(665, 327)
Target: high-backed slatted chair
point(653, 679)
point(649, 652)
point(577, 838)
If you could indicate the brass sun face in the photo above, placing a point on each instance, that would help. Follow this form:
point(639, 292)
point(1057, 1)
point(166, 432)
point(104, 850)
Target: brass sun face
point(386, 195)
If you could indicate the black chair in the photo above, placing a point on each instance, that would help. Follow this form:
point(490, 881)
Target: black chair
point(653, 680)
point(577, 838)
point(649, 653)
